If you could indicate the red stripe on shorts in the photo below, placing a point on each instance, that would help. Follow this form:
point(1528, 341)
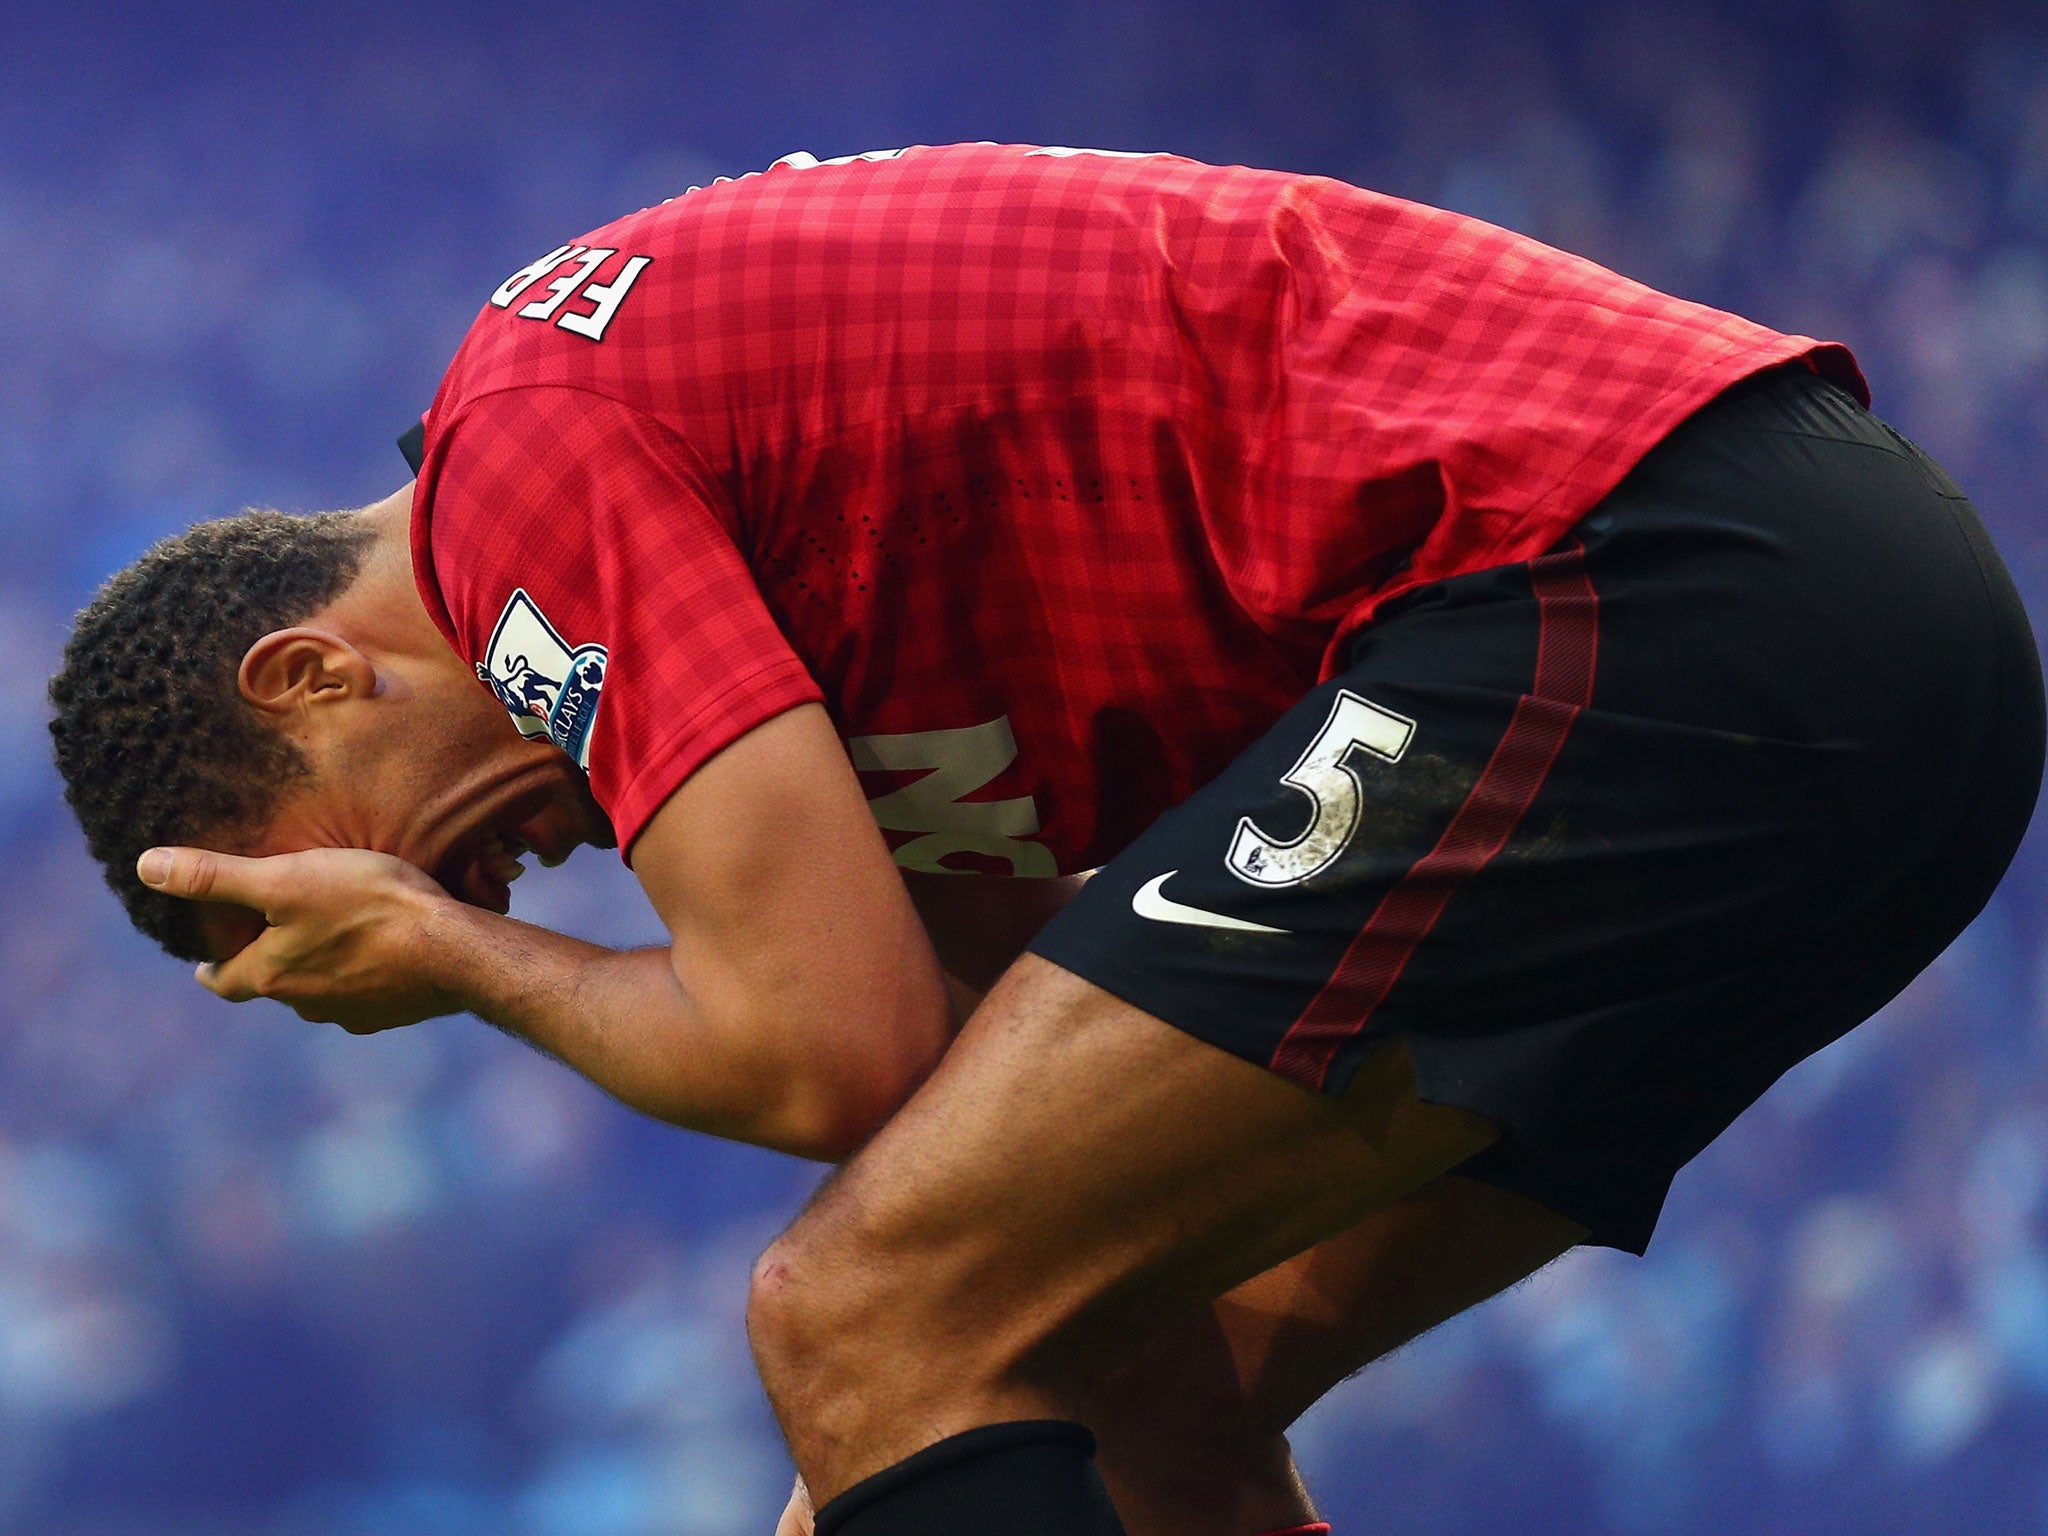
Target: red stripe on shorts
point(1567, 648)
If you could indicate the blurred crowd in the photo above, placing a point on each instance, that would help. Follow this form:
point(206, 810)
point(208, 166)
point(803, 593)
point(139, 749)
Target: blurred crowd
point(260, 1277)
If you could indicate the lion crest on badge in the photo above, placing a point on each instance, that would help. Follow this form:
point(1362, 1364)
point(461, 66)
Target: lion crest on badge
point(550, 687)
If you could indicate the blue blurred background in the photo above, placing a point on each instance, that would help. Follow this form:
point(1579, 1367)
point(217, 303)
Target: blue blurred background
point(259, 1277)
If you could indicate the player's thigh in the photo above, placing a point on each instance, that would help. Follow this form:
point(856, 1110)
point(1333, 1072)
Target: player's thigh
point(1076, 1171)
point(1268, 1349)
point(1388, 1280)
point(1192, 1429)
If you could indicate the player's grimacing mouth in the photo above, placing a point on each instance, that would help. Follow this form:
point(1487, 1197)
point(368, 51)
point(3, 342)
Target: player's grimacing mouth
point(484, 859)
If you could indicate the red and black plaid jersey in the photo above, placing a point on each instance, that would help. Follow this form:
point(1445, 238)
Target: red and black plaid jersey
point(1057, 475)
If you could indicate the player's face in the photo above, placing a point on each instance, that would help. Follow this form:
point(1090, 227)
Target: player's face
point(479, 797)
point(435, 773)
point(410, 754)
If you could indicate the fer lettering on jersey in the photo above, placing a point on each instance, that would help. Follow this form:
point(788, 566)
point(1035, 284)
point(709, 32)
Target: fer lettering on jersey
point(585, 261)
point(605, 298)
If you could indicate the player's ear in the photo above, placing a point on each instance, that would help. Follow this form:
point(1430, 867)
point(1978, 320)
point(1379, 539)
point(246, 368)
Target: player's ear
point(300, 668)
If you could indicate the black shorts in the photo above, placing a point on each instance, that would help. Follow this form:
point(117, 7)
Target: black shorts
point(1612, 838)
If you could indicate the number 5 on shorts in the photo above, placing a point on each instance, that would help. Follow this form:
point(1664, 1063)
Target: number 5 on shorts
point(1327, 775)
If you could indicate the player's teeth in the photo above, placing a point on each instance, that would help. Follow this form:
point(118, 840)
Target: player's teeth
point(501, 862)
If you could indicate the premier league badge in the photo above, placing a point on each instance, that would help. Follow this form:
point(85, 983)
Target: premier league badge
point(550, 687)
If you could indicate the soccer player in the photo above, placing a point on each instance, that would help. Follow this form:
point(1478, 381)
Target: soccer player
point(1516, 715)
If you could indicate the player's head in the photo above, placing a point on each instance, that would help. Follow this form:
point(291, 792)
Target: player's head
point(267, 682)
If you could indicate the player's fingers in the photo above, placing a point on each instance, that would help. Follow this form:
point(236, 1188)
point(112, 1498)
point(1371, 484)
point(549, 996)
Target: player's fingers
point(200, 874)
point(228, 981)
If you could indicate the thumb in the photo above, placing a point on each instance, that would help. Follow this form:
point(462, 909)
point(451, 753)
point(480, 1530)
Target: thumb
point(199, 874)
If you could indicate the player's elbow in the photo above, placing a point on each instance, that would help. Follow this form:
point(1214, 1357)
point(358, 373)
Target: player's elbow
point(838, 1106)
point(843, 1117)
point(829, 1125)
point(833, 1135)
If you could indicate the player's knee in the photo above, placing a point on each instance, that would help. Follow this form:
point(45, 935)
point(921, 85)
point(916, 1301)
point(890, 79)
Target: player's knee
point(810, 1302)
point(839, 1293)
point(778, 1308)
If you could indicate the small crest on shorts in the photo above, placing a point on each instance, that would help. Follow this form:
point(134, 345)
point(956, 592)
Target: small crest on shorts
point(550, 686)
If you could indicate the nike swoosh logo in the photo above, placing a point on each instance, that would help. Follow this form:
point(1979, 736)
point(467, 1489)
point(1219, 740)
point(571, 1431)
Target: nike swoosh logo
point(1151, 902)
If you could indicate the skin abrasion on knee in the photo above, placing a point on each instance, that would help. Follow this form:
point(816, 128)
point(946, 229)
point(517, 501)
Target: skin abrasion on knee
point(1035, 1477)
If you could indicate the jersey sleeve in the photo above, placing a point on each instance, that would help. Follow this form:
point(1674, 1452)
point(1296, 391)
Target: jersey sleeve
point(586, 563)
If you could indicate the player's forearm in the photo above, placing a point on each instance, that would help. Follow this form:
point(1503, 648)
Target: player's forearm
point(625, 1020)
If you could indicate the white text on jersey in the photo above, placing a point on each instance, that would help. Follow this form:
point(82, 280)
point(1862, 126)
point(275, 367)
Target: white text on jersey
point(957, 763)
point(585, 260)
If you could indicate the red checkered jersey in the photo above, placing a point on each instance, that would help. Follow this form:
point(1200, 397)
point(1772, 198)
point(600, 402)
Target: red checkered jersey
point(1057, 475)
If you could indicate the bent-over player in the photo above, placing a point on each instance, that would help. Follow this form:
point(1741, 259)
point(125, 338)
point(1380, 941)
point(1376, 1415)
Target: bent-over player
point(1517, 715)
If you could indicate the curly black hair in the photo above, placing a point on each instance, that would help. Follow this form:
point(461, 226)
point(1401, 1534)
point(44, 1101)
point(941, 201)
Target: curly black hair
point(153, 737)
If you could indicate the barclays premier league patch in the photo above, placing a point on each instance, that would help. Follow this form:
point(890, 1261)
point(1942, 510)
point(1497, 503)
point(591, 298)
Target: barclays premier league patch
point(550, 687)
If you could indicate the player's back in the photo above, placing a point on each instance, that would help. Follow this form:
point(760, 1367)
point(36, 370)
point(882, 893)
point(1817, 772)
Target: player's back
point(1114, 449)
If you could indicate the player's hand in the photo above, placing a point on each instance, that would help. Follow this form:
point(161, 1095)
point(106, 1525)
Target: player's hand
point(796, 1519)
point(345, 938)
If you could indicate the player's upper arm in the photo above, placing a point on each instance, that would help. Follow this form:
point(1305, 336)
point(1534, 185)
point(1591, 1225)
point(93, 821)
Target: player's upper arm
point(562, 525)
point(792, 933)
